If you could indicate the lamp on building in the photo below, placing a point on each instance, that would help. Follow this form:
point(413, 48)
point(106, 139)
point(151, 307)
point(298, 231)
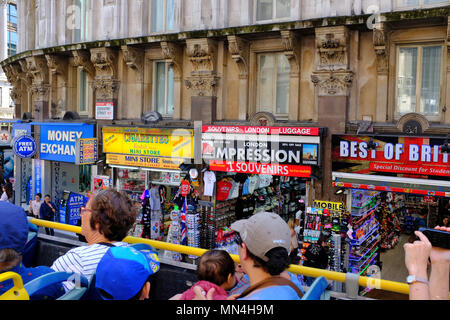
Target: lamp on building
point(372, 144)
point(27, 116)
point(340, 191)
point(151, 117)
point(71, 115)
point(445, 148)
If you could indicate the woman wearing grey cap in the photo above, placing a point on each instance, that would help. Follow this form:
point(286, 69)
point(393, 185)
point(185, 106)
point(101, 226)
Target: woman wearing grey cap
point(264, 242)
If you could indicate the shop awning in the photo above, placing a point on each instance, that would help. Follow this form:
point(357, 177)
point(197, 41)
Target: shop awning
point(424, 187)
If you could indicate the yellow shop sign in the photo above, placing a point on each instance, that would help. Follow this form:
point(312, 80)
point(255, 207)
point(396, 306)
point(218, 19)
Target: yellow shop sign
point(174, 143)
point(328, 205)
point(144, 161)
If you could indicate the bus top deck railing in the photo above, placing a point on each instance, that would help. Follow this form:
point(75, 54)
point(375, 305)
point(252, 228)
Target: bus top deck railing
point(357, 280)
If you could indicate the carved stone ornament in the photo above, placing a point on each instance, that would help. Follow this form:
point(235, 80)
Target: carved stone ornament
point(57, 64)
point(105, 89)
point(332, 83)
point(173, 54)
point(239, 49)
point(104, 61)
point(201, 53)
point(82, 58)
point(202, 86)
point(37, 67)
point(16, 95)
point(134, 58)
point(332, 47)
point(291, 44)
point(381, 51)
point(40, 92)
point(263, 119)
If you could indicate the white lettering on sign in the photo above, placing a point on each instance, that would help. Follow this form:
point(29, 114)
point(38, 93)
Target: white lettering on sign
point(59, 149)
point(67, 136)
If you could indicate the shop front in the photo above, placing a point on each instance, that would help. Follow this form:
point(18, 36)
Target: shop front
point(391, 186)
point(62, 165)
point(6, 152)
point(145, 164)
point(254, 169)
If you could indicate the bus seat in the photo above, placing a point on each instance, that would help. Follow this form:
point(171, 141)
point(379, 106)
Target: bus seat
point(17, 292)
point(317, 291)
point(53, 278)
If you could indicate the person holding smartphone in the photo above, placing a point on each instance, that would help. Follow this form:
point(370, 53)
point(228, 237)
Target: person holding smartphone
point(47, 212)
point(417, 256)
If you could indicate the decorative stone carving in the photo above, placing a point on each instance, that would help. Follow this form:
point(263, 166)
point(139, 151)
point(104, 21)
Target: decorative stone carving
point(202, 85)
point(37, 67)
point(40, 92)
point(173, 54)
point(332, 83)
point(104, 61)
point(82, 58)
point(291, 46)
point(262, 119)
point(239, 49)
point(106, 89)
point(332, 47)
point(380, 45)
point(134, 58)
point(57, 64)
point(201, 53)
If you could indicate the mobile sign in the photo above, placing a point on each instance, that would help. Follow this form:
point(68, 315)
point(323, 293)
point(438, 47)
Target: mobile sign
point(24, 147)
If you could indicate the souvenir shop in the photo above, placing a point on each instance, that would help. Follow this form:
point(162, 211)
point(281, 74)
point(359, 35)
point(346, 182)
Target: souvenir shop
point(254, 169)
point(148, 164)
point(390, 186)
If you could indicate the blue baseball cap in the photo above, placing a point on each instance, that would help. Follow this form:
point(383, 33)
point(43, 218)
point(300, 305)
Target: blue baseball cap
point(13, 227)
point(123, 271)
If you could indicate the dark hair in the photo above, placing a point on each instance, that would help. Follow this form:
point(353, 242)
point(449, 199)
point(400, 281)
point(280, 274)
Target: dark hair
point(9, 259)
point(215, 266)
point(423, 211)
point(39, 195)
point(278, 261)
point(47, 195)
point(114, 212)
point(8, 190)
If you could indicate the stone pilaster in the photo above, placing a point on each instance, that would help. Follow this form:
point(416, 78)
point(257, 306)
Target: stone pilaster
point(58, 67)
point(40, 87)
point(173, 54)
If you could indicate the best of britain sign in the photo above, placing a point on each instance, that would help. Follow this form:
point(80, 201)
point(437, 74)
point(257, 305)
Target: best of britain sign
point(58, 141)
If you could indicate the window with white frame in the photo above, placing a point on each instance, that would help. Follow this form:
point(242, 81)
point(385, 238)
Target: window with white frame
point(272, 9)
point(163, 88)
point(420, 3)
point(273, 84)
point(419, 77)
point(162, 14)
point(83, 96)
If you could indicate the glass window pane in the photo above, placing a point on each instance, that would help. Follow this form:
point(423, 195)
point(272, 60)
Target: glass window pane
point(283, 8)
point(265, 83)
point(264, 10)
point(282, 93)
point(160, 87)
point(170, 13)
point(170, 92)
point(431, 80)
point(433, 1)
point(406, 80)
point(157, 16)
point(405, 3)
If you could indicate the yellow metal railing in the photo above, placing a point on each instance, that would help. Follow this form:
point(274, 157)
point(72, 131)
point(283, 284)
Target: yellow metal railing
point(366, 282)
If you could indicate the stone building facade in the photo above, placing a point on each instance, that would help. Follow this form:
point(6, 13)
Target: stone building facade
point(348, 66)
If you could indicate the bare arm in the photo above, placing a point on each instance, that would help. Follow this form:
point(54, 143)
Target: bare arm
point(439, 277)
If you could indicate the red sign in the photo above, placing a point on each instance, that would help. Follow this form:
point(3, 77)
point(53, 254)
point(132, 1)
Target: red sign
point(391, 189)
point(298, 131)
point(412, 157)
point(260, 168)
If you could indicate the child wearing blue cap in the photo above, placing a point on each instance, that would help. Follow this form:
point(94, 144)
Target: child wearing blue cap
point(125, 273)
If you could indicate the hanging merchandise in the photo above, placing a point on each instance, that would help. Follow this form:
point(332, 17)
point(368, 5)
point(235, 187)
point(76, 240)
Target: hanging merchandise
point(174, 234)
point(209, 179)
point(146, 215)
point(185, 188)
point(223, 190)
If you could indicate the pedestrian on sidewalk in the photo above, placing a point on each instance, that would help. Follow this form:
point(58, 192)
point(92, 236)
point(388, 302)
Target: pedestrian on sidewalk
point(47, 212)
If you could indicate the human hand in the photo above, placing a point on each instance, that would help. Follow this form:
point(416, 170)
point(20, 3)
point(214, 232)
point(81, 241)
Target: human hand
point(440, 255)
point(233, 297)
point(417, 254)
point(200, 294)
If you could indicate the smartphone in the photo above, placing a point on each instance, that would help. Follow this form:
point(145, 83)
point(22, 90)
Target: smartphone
point(437, 238)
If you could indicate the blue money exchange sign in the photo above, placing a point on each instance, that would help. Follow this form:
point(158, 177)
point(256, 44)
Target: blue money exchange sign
point(58, 142)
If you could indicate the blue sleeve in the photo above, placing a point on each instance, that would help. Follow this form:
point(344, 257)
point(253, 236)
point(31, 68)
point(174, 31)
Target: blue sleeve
point(32, 227)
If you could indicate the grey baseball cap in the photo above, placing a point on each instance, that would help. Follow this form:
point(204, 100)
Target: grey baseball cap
point(263, 232)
